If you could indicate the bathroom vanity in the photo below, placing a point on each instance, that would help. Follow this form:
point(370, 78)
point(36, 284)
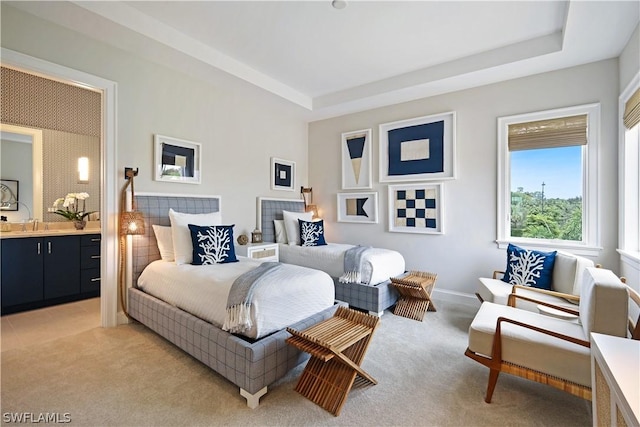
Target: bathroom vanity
point(42, 268)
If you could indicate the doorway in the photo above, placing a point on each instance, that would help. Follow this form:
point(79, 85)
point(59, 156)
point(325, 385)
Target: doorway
point(108, 180)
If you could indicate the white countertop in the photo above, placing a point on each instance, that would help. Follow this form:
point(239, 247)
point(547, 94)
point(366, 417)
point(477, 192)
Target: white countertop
point(47, 233)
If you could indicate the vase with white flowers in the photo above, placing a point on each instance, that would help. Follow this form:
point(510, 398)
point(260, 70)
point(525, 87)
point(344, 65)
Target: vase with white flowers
point(71, 208)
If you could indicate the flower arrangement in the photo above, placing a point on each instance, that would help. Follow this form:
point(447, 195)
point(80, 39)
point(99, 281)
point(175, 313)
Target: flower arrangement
point(71, 205)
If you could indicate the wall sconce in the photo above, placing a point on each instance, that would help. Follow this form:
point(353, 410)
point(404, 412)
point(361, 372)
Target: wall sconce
point(83, 170)
point(307, 196)
point(131, 222)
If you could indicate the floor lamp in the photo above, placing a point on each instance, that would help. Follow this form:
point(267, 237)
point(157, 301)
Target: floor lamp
point(131, 223)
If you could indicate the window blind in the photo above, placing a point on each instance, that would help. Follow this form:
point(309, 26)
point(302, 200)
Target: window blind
point(558, 132)
point(632, 110)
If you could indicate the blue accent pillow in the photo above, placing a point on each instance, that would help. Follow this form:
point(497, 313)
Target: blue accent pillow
point(529, 268)
point(212, 244)
point(311, 233)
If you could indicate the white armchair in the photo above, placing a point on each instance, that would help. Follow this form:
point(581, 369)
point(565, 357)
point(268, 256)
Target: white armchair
point(567, 277)
point(549, 350)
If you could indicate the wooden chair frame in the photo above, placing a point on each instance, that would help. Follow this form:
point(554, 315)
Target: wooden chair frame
point(497, 365)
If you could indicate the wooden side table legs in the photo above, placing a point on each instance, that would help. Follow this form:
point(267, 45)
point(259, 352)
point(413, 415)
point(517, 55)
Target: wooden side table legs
point(337, 347)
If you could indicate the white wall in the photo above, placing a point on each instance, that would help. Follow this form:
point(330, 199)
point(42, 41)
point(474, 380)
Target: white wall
point(629, 60)
point(239, 130)
point(467, 250)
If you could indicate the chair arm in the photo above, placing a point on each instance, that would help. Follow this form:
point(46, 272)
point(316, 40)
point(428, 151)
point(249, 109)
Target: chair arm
point(496, 350)
point(497, 272)
point(512, 303)
point(570, 297)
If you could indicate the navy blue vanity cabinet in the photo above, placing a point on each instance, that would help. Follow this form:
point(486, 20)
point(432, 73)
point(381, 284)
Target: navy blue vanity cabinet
point(43, 271)
point(22, 271)
point(61, 266)
point(90, 265)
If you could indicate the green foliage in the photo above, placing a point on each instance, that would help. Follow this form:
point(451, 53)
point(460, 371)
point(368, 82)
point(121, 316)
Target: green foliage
point(535, 217)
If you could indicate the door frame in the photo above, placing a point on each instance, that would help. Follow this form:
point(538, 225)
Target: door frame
point(108, 169)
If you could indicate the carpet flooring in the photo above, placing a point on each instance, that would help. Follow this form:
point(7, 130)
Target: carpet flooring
point(129, 376)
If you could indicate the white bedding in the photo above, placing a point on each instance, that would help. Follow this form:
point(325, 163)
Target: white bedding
point(291, 294)
point(380, 264)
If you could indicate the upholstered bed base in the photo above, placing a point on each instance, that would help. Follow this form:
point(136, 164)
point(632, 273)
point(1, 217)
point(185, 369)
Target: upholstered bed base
point(252, 366)
point(373, 298)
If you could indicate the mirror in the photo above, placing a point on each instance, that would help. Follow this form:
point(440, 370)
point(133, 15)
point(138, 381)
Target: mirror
point(21, 156)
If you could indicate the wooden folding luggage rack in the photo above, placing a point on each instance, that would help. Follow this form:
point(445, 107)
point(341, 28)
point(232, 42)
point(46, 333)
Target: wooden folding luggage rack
point(337, 347)
point(415, 294)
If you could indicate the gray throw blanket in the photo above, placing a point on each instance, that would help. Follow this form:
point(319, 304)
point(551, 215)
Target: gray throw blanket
point(353, 265)
point(240, 299)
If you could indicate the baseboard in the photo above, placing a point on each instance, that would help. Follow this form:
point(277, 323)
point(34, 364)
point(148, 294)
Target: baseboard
point(456, 297)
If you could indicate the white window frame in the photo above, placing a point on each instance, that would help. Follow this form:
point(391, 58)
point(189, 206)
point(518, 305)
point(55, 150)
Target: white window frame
point(628, 179)
point(590, 244)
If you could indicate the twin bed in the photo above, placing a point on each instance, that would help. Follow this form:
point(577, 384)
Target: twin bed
point(187, 304)
point(378, 265)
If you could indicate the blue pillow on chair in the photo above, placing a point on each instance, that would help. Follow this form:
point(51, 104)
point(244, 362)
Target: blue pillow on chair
point(212, 244)
point(311, 233)
point(529, 268)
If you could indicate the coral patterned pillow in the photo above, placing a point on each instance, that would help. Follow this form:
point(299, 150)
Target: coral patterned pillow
point(529, 268)
point(212, 244)
point(311, 233)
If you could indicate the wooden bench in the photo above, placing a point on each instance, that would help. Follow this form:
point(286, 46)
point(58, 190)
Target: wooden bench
point(337, 347)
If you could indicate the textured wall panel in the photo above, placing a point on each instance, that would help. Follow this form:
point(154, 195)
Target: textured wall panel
point(60, 163)
point(37, 102)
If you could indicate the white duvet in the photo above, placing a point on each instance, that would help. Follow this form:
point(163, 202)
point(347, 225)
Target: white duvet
point(379, 264)
point(291, 293)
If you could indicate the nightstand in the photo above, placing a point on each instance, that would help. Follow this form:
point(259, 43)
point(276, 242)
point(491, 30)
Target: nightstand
point(259, 251)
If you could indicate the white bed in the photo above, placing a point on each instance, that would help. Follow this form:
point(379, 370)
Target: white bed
point(290, 294)
point(378, 264)
point(189, 312)
point(374, 293)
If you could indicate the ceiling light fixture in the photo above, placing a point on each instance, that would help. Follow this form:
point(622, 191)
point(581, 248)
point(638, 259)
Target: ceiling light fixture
point(339, 4)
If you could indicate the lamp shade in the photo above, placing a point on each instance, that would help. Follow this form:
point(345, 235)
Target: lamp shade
point(131, 223)
point(314, 209)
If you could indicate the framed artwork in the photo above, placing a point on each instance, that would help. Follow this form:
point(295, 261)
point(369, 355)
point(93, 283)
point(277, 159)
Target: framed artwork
point(358, 207)
point(177, 160)
point(9, 193)
point(416, 208)
point(356, 159)
point(418, 149)
point(283, 174)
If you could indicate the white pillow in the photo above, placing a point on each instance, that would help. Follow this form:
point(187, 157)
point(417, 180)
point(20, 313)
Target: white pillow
point(165, 241)
point(292, 227)
point(182, 246)
point(281, 233)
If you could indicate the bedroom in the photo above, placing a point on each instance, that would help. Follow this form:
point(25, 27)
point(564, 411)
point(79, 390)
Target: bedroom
point(249, 126)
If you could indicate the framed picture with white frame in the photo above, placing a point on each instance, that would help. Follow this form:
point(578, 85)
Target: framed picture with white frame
point(416, 208)
point(283, 174)
point(356, 160)
point(358, 207)
point(177, 160)
point(419, 149)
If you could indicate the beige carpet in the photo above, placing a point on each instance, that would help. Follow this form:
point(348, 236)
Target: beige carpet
point(128, 376)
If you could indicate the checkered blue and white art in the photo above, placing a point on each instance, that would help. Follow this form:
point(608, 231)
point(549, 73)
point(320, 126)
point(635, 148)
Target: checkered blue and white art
point(416, 208)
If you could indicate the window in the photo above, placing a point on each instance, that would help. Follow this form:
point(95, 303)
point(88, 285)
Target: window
point(547, 179)
point(630, 171)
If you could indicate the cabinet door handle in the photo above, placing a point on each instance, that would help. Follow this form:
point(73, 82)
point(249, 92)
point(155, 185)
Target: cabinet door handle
point(49, 245)
point(39, 249)
point(95, 256)
point(95, 279)
point(95, 240)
